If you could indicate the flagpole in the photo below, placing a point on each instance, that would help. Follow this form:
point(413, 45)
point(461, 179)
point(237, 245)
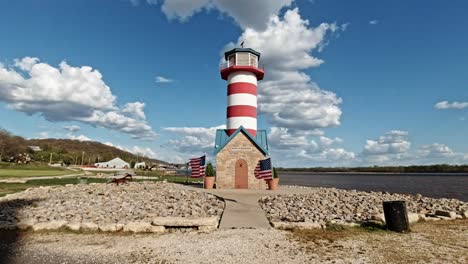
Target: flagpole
point(204, 173)
point(186, 173)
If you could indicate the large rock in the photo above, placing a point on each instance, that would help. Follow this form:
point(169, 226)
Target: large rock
point(110, 227)
point(413, 218)
point(143, 227)
point(74, 226)
point(26, 223)
point(449, 214)
point(185, 221)
point(89, 226)
point(51, 225)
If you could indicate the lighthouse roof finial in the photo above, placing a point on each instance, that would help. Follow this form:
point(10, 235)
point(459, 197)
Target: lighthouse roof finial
point(235, 50)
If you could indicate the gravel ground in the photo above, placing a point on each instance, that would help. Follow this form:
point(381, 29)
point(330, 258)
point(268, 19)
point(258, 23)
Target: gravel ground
point(107, 203)
point(430, 242)
point(324, 205)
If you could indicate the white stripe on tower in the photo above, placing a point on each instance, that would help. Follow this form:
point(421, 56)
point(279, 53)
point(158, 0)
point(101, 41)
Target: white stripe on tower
point(242, 76)
point(242, 99)
point(246, 122)
point(242, 102)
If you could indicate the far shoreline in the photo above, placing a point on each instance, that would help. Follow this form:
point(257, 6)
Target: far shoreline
point(376, 173)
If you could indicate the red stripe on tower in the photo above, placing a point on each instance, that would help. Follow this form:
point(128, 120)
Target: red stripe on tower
point(241, 110)
point(242, 87)
point(242, 73)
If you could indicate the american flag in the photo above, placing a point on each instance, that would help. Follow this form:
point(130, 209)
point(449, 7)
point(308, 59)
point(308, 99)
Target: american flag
point(263, 170)
point(198, 167)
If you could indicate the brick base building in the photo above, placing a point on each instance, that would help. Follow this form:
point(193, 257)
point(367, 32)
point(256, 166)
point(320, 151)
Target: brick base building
point(237, 156)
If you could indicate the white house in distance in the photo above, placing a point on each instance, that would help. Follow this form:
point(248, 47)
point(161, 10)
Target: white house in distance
point(140, 165)
point(116, 163)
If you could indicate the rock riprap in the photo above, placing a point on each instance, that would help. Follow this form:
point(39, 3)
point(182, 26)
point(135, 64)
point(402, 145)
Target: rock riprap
point(330, 205)
point(134, 207)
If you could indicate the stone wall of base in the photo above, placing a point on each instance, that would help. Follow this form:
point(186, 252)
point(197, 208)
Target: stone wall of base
point(239, 147)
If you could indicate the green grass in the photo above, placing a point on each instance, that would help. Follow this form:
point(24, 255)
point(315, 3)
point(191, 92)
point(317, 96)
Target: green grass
point(12, 173)
point(12, 170)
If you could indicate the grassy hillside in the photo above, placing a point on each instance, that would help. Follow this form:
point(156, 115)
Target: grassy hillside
point(64, 150)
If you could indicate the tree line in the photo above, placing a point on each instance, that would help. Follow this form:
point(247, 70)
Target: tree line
point(65, 151)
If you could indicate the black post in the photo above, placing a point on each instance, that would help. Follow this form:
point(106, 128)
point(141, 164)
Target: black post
point(396, 216)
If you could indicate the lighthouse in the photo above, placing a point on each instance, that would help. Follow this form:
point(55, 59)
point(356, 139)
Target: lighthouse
point(242, 72)
point(240, 146)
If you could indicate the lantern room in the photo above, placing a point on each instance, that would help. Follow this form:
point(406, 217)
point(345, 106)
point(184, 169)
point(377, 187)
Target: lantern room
point(242, 59)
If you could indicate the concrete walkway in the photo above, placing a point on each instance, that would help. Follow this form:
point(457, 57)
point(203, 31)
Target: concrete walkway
point(242, 209)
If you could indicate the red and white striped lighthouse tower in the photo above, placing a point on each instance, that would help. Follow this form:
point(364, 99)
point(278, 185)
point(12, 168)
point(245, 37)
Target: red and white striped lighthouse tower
point(242, 72)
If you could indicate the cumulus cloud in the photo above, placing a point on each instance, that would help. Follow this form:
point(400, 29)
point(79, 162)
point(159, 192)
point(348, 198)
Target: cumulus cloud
point(192, 139)
point(246, 13)
point(392, 142)
point(43, 135)
point(143, 151)
point(72, 128)
point(137, 150)
point(68, 93)
point(286, 45)
point(374, 22)
point(160, 79)
point(334, 156)
point(135, 109)
point(330, 141)
point(454, 105)
point(80, 138)
point(435, 150)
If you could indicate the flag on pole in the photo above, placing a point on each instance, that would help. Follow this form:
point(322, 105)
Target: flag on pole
point(263, 170)
point(198, 167)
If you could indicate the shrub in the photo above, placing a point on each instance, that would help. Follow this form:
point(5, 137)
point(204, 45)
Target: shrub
point(209, 170)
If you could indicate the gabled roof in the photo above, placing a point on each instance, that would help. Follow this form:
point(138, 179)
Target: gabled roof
point(222, 139)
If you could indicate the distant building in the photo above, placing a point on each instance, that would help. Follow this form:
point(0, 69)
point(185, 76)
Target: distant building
point(140, 165)
point(35, 148)
point(116, 163)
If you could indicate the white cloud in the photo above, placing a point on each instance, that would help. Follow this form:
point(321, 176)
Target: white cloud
point(80, 138)
point(72, 128)
point(67, 93)
point(286, 45)
point(192, 140)
point(135, 109)
point(143, 151)
point(160, 79)
point(330, 141)
point(435, 150)
point(392, 142)
point(246, 13)
point(137, 150)
point(43, 135)
point(333, 156)
point(374, 22)
point(345, 26)
point(453, 105)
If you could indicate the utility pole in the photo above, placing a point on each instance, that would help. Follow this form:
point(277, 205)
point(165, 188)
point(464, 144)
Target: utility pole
point(82, 158)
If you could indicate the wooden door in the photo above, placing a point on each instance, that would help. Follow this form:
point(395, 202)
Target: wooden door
point(241, 175)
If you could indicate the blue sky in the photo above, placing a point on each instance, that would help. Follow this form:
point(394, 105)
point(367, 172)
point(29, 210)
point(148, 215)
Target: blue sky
point(348, 83)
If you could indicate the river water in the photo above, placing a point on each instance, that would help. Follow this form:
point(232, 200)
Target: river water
point(437, 185)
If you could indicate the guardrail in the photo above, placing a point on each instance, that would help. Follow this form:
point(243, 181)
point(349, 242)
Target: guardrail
point(226, 65)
